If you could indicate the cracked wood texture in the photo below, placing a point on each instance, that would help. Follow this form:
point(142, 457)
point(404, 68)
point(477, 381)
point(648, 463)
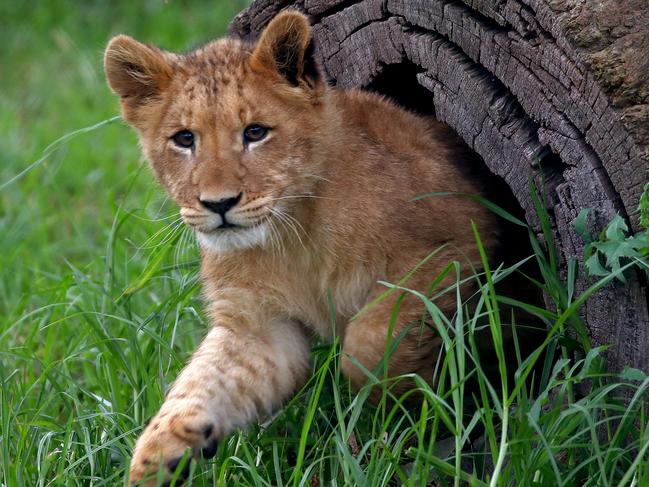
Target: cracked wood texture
point(551, 88)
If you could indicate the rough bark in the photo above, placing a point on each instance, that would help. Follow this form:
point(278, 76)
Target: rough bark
point(558, 88)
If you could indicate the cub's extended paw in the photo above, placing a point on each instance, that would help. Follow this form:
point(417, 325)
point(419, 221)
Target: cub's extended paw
point(164, 442)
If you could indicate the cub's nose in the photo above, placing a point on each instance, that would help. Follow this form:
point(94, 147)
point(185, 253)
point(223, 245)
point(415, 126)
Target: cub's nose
point(221, 206)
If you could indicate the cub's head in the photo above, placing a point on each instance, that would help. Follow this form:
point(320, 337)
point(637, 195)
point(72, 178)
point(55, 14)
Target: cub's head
point(231, 130)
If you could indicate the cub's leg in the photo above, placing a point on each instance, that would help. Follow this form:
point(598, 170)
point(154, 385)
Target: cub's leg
point(365, 342)
point(236, 376)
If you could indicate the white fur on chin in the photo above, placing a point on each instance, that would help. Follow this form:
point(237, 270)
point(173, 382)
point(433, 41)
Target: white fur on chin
point(230, 240)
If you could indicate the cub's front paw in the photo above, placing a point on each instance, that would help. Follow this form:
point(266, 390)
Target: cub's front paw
point(171, 433)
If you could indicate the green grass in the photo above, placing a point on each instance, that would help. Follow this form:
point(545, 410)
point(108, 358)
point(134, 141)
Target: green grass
point(99, 309)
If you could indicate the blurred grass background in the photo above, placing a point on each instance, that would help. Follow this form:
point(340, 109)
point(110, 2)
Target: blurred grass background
point(52, 83)
point(75, 232)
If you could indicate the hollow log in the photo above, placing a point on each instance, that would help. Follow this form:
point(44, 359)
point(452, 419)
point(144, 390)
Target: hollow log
point(551, 88)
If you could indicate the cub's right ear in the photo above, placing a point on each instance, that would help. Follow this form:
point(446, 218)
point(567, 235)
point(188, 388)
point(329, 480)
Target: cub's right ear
point(135, 72)
point(285, 49)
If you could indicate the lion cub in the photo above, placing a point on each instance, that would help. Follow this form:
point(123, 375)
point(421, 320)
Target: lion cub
point(296, 191)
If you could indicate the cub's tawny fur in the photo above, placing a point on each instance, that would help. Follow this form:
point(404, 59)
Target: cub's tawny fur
point(297, 192)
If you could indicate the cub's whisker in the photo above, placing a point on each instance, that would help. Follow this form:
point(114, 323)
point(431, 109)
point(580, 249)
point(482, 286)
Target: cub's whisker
point(275, 239)
point(286, 221)
point(135, 215)
point(316, 176)
point(171, 227)
point(302, 196)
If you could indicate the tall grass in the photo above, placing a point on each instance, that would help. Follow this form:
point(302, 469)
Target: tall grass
point(82, 373)
point(99, 309)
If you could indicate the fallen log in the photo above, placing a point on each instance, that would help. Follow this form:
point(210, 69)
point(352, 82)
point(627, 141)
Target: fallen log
point(551, 88)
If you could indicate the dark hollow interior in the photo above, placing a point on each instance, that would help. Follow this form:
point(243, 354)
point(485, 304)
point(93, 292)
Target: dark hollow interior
point(398, 82)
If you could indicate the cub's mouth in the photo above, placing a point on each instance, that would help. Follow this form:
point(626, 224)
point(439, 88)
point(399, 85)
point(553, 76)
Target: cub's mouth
point(219, 234)
point(210, 222)
point(229, 237)
point(226, 224)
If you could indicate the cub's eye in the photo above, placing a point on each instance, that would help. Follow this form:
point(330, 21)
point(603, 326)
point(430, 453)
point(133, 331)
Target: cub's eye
point(184, 139)
point(254, 133)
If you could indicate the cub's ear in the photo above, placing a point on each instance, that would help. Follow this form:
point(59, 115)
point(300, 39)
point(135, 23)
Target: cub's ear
point(135, 72)
point(286, 49)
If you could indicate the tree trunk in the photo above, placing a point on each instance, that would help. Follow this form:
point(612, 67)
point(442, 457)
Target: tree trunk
point(558, 88)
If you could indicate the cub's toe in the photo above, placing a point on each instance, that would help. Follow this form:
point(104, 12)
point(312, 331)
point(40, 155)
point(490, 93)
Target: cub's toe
point(173, 464)
point(210, 450)
point(164, 444)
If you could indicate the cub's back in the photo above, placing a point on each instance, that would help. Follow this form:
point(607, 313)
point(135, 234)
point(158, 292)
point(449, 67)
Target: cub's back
point(387, 158)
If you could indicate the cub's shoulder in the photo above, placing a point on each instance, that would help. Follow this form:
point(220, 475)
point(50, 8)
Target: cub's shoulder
point(391, 125)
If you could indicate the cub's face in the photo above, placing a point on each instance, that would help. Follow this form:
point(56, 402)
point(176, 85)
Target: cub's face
point(230, 130)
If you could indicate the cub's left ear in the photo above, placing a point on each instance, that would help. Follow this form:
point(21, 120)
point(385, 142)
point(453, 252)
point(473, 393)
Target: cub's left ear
point(286, 49)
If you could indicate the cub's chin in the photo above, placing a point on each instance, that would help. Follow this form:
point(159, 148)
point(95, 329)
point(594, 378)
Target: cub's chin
point(232, 239)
